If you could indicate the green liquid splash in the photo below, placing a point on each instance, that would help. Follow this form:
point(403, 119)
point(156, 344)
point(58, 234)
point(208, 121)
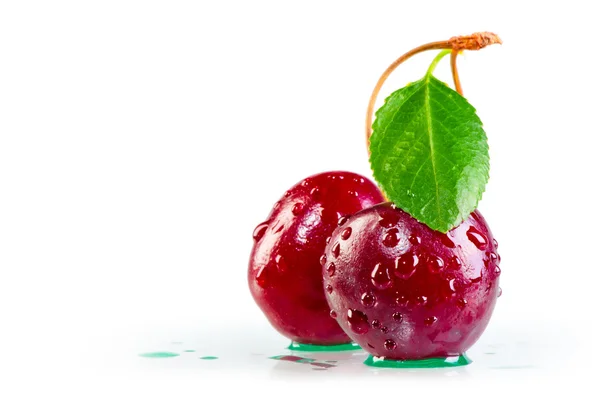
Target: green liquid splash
point(296, 346)
point(434, 362)
point(159, 355)
point(209, 358)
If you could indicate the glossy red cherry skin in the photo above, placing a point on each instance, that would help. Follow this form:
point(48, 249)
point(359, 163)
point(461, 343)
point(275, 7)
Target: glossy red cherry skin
point(404, 291)
point(284, 273)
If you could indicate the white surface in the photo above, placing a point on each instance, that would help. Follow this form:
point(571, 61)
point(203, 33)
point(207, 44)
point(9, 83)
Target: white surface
point(142, 141)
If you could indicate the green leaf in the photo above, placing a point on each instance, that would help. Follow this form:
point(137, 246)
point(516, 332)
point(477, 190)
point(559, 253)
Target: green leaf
point(429, 153)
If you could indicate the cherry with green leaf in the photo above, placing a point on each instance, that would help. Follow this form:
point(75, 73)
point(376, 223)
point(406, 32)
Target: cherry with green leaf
point(417, 277)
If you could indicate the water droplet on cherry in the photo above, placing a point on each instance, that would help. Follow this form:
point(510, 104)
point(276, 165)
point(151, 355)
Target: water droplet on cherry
point(476, 238)
point(391, 238)
point(315, 193)
point(331, 269)
point(297, 208)
point(333, 314)
point(435, 264)
point(346, 233)
point(358, 321)
point(368, 299)
point(342, 220)
point(323, 260)
point(383, 329)
point(397, 317)
point(462, 302)
point(280, 263)
point(406, 265)
point(260, 230)
point(499, 292)
point(421, 300)
point(497, 270)
point(455, 263)
point(495, 243)
point(329, 288)
point(414, 239)
point(376, 324)
point(430, 320)
point(389, 344)
point(380, 277)
point(336, 250)
point(261, 277)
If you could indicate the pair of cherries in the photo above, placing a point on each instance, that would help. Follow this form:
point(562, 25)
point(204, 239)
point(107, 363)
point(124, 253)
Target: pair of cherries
point(335, 263)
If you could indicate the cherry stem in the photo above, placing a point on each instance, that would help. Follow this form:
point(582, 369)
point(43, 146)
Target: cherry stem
point(476, 41)
point(455, 77)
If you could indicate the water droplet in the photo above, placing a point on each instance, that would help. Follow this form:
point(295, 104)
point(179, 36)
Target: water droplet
point(336, 250)
point(498, 260)
point(493, 256)
point(331, 269)
point(315, 193)
point(430, 320)
point(391, 238)
point(406, 265)
point(462, 302)
point(329, 288)
point(435, 264)
point(333, 314)
point(297, 208)
point(447, 241)
point(287, 193)
point(455, 263)
point(389, 344)
point(383, 329)
point(376, 324)
point(346, 233)
point(388, 220)
point(380, 277)
point(452, 284)
point(327, 240)
point(368, 299)
point(359, 180)
point(323, 260)
point(402, 300)
point(499, 292)
point(280, 263)
point(352, 193)
point(397, 317)
point(261, 277)
point(497, 270)
point(421, 300)
point(410, 193)
point(414, 239)
point(342, 220)
point(476, 238)
point(260, 230)
point(305, 183)
point(358, 321)
point(495, 243)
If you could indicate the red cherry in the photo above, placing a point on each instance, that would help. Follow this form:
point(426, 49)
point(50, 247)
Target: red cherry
point(428, 295)
point(284, 273)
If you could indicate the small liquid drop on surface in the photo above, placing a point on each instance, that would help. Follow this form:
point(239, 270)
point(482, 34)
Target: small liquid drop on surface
point(315, 193)
point(336, 250)
point(497, 270)
point(358, 321)
point(388, 221)
point(327, 240)
point(462, 302)
point(436, 264)
point(333, 314)
point(391, 238)
point(260, 230)
point(406, 265)
point(346, 233)
point(342, 220)
point(414, 239)
point(352, 193)
point(430, 320)
point(376, 324)
point(435, 362)
point(297, 208)
point(368, 299)
point(476, 238)
point(261, 277)
point(323, 260)
point(159, 355)
point(329, 288)
point(455, 263)
point(384, 329)
point(331, 269)
point(389, 344)
point(397, 317)
point(280, 263)
point(495, 243)
point(380, 277)
point(421, 300)
point(499, 292)
point(209, 358)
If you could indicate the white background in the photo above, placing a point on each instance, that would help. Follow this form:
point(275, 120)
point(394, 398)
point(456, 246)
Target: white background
point(142, 141)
